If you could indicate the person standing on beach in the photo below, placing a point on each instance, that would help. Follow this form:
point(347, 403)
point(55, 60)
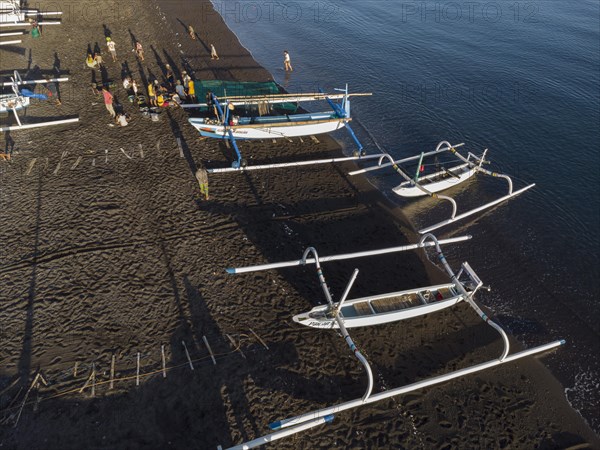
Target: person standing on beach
point(192, 91)
point(287, 62)
point(213, 52)
point(151, 94)
point(186, 79)
point(52, 90)
point(191, 32)
point(179, 89)
point(98, 60)
point(111, 48)
point(170, 76)
point(202, 177)
point(108, 102)
point(139, 50)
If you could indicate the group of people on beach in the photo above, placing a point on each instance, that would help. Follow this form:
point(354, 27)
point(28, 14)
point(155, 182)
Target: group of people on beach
point(173, 91)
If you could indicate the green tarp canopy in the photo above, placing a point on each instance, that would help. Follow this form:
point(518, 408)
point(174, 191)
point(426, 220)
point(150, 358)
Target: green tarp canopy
point(222, 88)
point(234, 88)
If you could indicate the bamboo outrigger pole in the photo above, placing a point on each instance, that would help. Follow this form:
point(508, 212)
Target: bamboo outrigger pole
point(310, 420)
point(303, 261)
point(292, 164)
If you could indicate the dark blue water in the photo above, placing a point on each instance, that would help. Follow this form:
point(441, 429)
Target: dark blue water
point(519, 78)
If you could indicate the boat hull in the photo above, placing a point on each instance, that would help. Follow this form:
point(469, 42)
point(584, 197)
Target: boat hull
point(353, 318)
point(408, 188)
point(272, 130)
point(10, 102)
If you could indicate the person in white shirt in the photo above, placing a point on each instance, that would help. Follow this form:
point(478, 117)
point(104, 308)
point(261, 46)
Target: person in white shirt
point(111, 48)
point(213, 52)
point(287, 63)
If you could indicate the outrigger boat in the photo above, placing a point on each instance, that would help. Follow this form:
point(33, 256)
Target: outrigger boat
point(303, 422)
point(12, 14)
point(443, 179)
point(232, 127)
point(19, 100)
point(382, 308)
point(391, 307)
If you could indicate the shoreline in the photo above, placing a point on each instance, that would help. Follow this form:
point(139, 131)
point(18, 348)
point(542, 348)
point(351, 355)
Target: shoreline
point(148, 254)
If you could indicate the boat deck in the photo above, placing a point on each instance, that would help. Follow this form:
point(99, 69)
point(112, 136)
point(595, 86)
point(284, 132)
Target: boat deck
point(395, 303)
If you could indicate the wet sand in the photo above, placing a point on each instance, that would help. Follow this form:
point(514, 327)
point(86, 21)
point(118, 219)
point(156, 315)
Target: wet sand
point(108, 249)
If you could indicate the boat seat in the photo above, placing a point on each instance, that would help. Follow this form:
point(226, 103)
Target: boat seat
point(363, 309)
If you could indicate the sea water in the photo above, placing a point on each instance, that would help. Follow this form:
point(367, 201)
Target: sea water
point(521, 78)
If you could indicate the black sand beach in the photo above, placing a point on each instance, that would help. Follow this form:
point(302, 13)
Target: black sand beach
point(108, 249)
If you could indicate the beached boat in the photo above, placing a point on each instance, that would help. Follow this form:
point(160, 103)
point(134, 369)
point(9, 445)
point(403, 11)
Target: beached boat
point(13, 14)
point(257, 114)
point(384, 308)
point(436, 182)
point(303, 422)
point(20, 98)
point(444, 178)
point(381, 308)
point(270, 127)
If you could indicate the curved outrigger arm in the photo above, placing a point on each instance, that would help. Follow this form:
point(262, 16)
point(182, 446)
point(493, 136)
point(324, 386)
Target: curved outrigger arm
point(439, 149)
point(224, 117)
point(478, 168)
point(343, 111)
point(336, 309)
point(468, 296)
point(415, 183)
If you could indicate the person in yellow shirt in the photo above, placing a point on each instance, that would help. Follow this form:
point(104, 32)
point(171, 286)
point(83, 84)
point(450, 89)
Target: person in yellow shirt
point(151, 94)
point(192, 91)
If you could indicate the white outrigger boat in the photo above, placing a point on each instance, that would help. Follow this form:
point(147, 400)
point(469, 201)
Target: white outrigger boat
point(443, 179)
point(382, 308)
point(12, 14)
point(232, 127)
point(294, 425)
point(389, 307)
point(19, 100)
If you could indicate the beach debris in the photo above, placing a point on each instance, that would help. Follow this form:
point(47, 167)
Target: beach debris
point(212, 356)
point(91, 381)
point(10, 417)
point(187, 354)
point(137, 370)
point(75, 369)
point(76, 163)
point(315, 140)
point(301, 140)
point(123, 151)
point(259, 339)
point(141, 151)
point(158, 144)
point(30, 166)
point(64, 154)
point(180, 147)
point(93, 162)
point(39, 378)
point(105, 156)
point(164, 365)
point(235, 346)
point(112, 372)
